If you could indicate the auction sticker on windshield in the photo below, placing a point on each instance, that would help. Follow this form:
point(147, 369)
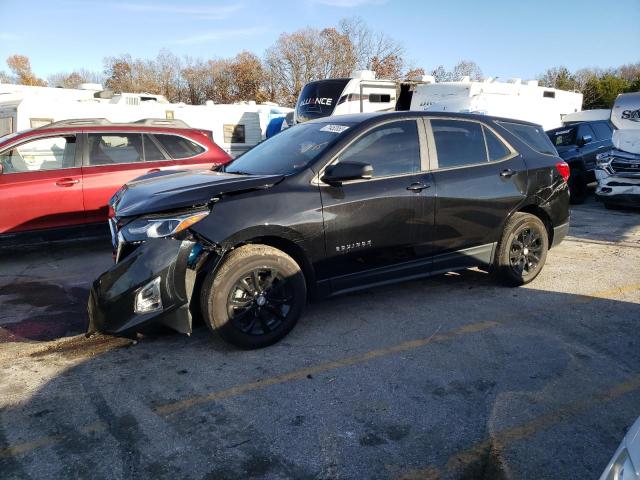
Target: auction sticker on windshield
point(334, 128)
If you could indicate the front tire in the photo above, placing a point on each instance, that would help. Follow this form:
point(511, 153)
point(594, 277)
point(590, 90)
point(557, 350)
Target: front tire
point(522, 250)
point(255, 297)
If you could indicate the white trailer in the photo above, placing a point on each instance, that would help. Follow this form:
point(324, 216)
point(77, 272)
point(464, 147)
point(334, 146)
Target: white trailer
point(362, 92)
point(235, 127)
point(513, 99)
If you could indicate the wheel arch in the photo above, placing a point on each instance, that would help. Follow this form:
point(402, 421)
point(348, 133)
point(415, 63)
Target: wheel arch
point(539, 212)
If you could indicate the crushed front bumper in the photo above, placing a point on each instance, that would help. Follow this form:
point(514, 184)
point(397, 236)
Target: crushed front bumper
point(113, 294)
point(618, 189)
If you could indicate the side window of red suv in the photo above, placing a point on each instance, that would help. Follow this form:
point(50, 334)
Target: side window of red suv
point(113, 148)
point(50, 153)
point(179, 147)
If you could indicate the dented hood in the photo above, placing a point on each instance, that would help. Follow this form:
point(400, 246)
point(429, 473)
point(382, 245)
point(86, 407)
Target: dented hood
point(170, 190)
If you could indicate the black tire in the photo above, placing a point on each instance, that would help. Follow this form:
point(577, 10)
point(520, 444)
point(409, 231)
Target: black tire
point(524, 240)
point(577, 186)
point(255, 297)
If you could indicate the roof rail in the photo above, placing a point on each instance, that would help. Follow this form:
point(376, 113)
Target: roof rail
point(162, 122)
point(78, 121)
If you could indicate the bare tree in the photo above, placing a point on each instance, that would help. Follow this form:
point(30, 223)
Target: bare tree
point(466, 68)
point(369, 45)
point(74, 79)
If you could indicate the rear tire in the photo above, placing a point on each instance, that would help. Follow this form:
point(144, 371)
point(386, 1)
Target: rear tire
point(522, 250)
point(577, 186)
point(255, 297)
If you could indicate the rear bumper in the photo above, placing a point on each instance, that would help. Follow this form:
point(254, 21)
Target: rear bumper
point(559, 233)
point(112, 295)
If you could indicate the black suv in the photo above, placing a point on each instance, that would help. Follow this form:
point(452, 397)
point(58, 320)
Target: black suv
point(578, 144)
point(326, 207)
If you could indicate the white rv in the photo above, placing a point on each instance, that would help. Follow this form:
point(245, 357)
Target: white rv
point(362, 92)
point(513, 99)
point(235, 127)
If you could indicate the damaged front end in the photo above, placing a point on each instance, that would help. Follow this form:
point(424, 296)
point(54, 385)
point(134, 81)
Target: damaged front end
point(156, 263)
point(152, 284)
point(618, 175)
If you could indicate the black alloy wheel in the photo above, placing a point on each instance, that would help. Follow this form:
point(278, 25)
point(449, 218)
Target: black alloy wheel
point(525, 252)
point(260, 301)
point(255, 297)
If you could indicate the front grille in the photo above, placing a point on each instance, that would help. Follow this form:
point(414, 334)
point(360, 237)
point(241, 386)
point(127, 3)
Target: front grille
point(619, 166)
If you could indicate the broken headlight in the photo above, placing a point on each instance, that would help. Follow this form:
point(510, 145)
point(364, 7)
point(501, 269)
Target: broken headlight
point(161, 226)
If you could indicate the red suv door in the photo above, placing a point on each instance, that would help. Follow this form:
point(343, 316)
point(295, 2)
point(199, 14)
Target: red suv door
point(40, 184)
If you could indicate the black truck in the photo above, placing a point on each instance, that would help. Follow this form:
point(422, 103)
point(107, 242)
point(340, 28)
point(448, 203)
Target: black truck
point(578, 144)
point(326, 207)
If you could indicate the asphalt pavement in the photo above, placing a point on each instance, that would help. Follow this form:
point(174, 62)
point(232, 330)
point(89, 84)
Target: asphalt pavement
point(449, 377)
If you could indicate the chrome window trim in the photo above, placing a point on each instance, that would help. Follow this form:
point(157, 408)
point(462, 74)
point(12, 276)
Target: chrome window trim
point(316, 178)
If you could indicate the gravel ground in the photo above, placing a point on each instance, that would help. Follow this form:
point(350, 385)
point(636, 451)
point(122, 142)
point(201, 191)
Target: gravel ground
point(449, 377)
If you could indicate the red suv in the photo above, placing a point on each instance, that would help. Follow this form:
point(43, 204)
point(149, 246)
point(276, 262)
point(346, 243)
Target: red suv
point(63, 174)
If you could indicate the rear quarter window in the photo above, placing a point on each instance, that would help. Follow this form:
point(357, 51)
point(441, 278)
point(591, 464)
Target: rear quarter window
point(534, 136)
point(179, 147)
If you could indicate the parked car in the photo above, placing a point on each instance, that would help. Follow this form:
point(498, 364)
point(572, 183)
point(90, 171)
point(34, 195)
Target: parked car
point(63, 174)
point(618, 169)
point(625, 463)
point(578, 144)
point(326, 207)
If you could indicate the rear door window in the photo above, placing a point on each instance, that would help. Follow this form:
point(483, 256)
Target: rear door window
point(458, 143)
point(51, 153)
point(114, 148)
point(391, 149)
point(496, 149)
point(179, 147)
point(151, 152)
point(533, 135)
point(603, 130)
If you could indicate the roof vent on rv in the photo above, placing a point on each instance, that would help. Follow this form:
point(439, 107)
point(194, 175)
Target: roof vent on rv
point(95, 87)
point(364, 74)
point(104, 94)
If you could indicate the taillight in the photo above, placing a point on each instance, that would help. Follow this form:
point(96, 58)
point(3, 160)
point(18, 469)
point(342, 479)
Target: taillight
point(563, 169)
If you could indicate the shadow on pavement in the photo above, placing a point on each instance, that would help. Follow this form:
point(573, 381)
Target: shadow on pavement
point(376, 384)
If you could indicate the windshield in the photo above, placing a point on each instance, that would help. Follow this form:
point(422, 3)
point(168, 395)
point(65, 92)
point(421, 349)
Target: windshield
point(319, 99)
point(289, 151)
point(564, 137)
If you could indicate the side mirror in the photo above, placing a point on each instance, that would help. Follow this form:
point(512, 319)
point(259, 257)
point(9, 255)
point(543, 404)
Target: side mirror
point(344, 171)
point(584, 140)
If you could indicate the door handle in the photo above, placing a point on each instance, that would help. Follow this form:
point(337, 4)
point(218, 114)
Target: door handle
point(417, 187)
point(508, 173)
point(67, 182)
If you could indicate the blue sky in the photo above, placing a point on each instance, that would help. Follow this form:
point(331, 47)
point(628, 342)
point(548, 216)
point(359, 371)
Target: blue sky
point(516, 38)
